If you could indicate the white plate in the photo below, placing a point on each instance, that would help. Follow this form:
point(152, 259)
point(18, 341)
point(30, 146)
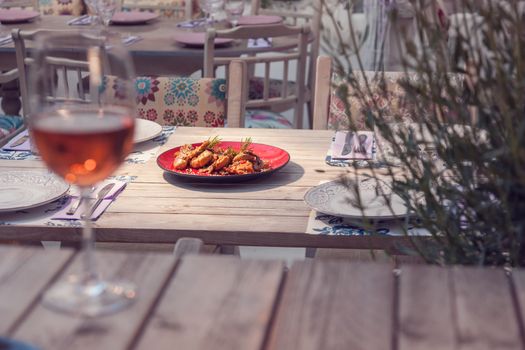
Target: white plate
point(146, 130)
point(334, 198)
point(29, 188)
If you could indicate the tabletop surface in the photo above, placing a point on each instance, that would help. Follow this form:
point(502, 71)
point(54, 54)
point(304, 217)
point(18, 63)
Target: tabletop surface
point(157, 44)
point(159, 208)
point(218, 302)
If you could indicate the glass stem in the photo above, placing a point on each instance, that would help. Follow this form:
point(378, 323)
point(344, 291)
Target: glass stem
point(90, 275)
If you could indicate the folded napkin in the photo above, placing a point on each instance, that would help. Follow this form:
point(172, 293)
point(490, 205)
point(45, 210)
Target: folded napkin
point(6, 39)
point(15, 145)
point(101, 208)
point(260, 43)
point(353, 145)
point(194, 23)
point(80, 21)
point(131, 39)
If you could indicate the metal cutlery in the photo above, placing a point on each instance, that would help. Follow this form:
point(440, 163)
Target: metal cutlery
point(76, 203)
point(100, 197)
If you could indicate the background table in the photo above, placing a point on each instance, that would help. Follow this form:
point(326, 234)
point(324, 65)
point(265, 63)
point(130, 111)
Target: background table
point(156, 54)
point(217, 302)
point(159, 208)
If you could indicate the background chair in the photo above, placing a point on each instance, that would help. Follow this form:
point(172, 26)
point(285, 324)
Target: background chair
point(67, 76)
point(11, 123)
point(330, 108)
point(179, 9)
point(49, 7)
point(165, 100)
point(300, 13)
point(287, 98)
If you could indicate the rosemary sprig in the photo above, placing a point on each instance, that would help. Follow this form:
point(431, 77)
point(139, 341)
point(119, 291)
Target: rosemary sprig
point(245, 144)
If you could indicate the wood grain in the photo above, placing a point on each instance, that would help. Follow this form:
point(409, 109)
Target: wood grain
point(426, 309)
point(159, 208)
point(215, 303)
point(335, 305)
point(23, 274)
point(49, 330)
point(486, 318)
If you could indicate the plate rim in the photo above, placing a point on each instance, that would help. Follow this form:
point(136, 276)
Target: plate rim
point(34, 205)
point(278, 19)
point(223, 178)
point(138, 21)
point(178, 33)
point(151, 137)
point(349, 216)
point(32, 14)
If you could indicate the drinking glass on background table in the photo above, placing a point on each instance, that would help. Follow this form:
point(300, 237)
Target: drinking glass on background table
point(83, 139)
point(234, 10)
point(106, 9)
point(93, 10)
point(211, 8)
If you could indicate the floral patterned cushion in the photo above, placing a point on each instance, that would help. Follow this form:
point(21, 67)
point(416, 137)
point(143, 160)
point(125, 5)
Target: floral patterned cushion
point(266, 119)
point(387, 96)
point(9, 124)
point(61, 7)
point(176, 101)
point(166, 8)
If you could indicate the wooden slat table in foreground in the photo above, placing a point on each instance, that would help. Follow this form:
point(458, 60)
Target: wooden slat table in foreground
point(159, 208)
point(217, 302)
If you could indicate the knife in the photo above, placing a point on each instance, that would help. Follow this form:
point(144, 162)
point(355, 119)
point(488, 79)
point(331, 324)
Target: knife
point(20, 141)
point(100, 197)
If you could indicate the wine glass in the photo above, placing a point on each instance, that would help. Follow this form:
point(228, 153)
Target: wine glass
point(205, 8)
point(106, 9)
point(83, 138)
point(215, 7)
point(93, 12)
point(234, 10)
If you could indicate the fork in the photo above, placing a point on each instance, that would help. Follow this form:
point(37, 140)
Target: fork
point(76, 203)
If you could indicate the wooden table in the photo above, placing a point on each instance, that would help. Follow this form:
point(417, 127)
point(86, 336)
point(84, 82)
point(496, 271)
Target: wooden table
point(159, 208)
point(218, 302)
point(156, 54)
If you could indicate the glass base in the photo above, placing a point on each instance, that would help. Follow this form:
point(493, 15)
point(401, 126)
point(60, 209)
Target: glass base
point(89, 299)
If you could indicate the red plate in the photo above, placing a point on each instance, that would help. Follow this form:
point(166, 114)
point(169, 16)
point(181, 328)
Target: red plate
point(276, 158)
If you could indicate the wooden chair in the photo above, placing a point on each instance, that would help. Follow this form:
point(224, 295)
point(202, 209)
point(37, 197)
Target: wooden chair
point(11, 123)
point(68, 74)
point(49, 7)
point(166, 100)
point(330, 109)
point(287, 98)
point(177, 9)
point(310, 15)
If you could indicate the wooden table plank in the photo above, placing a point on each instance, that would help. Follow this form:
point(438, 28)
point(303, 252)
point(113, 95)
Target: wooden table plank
point(486, 318)
point(24, 272)
point(50, 330)
point(335, 305)
point(215, 303)
point(160, 208)
point(426, 309)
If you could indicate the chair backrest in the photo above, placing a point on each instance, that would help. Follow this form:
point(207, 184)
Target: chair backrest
point(48, 7)
point(180, 9)
point(311, 15)
point(185, 101)
point(67, 76)
point(386, 91)
point(298, 36)
point(166, 100)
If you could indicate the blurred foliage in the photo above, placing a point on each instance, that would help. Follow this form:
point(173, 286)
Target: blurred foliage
point(465, 178)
